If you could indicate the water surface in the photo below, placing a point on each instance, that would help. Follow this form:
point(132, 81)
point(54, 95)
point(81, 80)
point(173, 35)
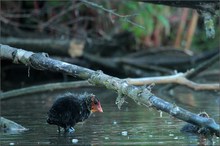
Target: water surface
point(132, 125)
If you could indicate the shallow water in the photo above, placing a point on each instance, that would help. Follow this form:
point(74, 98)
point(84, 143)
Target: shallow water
point(132, 125)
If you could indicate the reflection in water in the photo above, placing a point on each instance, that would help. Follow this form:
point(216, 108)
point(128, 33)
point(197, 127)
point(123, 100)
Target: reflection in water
point(200, 140)
point(132, 125)
point(61, 138)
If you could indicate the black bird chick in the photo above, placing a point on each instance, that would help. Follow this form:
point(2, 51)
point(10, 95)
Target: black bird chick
point(71, 109)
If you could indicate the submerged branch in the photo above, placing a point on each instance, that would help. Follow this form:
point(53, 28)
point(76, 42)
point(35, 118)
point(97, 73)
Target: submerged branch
point(10, 126)
point(139, 94)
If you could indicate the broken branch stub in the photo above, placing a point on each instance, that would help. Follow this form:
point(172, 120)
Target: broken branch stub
point(140, 94)
point(121, 87)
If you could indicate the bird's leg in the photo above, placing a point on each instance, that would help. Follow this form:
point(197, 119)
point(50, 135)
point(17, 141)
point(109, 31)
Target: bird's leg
point(69, 129)
point(58, 129)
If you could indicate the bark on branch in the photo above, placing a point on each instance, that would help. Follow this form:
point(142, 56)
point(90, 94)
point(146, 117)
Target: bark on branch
point(66, 47)
point(10, 126)
point(179, 78)
point(201, 5)
point(206, 8)
point(139, 94)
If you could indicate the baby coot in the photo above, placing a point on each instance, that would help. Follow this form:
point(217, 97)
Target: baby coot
point(70, 109)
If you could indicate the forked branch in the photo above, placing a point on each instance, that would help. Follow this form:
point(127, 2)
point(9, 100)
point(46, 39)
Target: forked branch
point(139, 94)
point(179, 78)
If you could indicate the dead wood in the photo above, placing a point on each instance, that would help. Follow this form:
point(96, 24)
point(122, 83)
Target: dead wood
point(10, 126)
point(108, 53)
point(200, 5)
point(198, 69)
point(179, 78)
point(139, 94)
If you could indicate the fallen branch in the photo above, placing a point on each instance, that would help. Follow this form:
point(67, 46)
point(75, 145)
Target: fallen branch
point(198, 69)
point(42, 88)
point(10, 126)
point(141, 59)
point(139, 94)
point(210, 6)
point(179, 78)
point(73, 47)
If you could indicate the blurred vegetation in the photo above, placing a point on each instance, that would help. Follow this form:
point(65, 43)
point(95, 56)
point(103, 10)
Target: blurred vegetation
point(147, 15)
point(201, 42)
point(160, 22)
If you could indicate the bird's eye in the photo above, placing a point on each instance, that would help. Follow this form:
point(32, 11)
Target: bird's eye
point(95, 102)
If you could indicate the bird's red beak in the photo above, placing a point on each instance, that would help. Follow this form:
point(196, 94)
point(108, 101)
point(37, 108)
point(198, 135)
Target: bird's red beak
point(97, 108)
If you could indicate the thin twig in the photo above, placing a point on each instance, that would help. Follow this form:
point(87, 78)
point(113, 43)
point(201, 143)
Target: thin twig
point(141, 95)
point(58, 16)
point(112, 12)
point(8, 15)
point(7, 21)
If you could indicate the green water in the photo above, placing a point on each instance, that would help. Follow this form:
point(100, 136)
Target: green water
point(132, 125)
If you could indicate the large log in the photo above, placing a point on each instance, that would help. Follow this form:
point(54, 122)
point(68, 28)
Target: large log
point(139, 94)
point(200, 5)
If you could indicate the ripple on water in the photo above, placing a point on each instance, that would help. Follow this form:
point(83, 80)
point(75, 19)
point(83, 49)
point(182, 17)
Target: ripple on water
point(132, 125)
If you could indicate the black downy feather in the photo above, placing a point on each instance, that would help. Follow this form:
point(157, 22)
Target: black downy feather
point(70, 109)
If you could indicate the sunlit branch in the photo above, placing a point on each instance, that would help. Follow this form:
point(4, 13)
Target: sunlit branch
point(139, 94)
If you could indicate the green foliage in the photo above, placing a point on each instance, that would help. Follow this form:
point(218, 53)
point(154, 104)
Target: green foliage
point(55, 3)
point(143, 14)
point(201, 42)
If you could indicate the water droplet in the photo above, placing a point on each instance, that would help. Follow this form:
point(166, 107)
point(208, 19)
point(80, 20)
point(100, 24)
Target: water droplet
point(176, 137)
point(75, 140)
point(124, 133)
point(114, 122)
point(171, 134)
point(169, 123)
point(106, 138)
point(161, 114)
point(11, 143)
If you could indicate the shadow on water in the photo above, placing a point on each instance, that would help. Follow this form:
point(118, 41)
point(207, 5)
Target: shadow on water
point(132, 125)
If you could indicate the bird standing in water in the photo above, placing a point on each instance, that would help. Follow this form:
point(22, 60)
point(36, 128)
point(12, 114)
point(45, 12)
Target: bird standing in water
point(71, 109)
